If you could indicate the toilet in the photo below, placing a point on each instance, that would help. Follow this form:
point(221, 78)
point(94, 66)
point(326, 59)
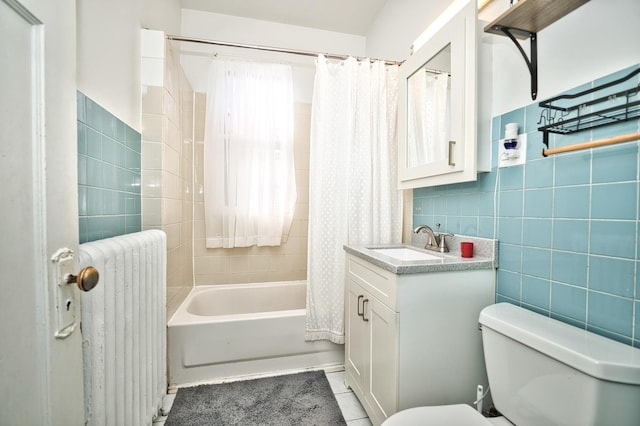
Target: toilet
point(545, 372)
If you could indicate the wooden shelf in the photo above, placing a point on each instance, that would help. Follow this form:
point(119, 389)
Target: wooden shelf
point(531, 16)
point(523, 21)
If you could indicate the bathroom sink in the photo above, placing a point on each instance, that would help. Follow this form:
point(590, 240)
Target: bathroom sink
point(405, 253)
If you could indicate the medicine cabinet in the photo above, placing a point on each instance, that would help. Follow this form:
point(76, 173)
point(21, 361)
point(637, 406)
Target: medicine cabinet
point(438, 104)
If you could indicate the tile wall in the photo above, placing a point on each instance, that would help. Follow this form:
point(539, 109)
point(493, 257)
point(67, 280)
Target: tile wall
point(172, 179)
point(167, 160)
point(567, 225)
point(108, 173)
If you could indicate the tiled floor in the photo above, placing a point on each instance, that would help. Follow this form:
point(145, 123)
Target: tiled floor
point(167, 402)
point(351, 409)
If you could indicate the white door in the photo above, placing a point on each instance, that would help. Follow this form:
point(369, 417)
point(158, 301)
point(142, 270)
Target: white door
point(40, 373)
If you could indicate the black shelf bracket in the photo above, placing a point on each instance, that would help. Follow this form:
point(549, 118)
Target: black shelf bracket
point(532, 64)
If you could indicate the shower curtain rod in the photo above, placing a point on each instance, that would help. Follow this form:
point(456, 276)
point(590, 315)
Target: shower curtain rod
point(274, 49)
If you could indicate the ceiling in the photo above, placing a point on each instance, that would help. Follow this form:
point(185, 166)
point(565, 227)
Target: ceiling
point(345, 16)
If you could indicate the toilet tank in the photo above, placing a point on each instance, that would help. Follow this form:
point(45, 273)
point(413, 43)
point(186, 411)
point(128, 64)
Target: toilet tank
point(545, 372)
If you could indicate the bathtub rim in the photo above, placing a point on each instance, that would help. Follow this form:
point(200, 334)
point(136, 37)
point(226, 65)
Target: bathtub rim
point(182, 317)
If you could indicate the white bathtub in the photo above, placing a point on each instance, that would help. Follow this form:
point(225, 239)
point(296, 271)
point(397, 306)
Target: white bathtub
point(223, 332)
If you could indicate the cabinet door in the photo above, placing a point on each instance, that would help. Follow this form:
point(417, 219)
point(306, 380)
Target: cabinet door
point(357, 336)
point(437, 104)
point(383, 369)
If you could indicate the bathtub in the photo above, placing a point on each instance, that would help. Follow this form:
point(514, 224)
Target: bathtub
point(223, 332)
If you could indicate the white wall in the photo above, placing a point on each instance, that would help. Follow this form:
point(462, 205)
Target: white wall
point(195, 58)
point(398, 24)
point(594, 40)
point(161, 15)
point(108, 50)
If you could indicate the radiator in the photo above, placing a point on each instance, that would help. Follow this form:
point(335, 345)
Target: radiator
point(124, 329)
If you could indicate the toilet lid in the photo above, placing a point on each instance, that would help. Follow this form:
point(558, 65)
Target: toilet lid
point(442, 415)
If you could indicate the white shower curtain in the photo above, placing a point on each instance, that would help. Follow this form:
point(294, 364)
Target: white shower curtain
point(353, 196)
point(249, 176)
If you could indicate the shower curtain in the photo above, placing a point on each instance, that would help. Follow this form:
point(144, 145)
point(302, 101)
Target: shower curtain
point(353, 196)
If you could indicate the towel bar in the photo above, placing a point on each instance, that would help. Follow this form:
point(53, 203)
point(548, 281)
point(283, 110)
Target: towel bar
point(591, 144)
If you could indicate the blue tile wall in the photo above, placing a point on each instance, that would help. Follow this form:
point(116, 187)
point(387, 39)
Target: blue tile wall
point(567, 225)
point(109, 202)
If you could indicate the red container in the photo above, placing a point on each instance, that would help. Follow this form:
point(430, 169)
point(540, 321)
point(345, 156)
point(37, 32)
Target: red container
point(466, 249)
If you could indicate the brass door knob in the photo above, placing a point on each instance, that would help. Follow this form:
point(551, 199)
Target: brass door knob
point(86, 279)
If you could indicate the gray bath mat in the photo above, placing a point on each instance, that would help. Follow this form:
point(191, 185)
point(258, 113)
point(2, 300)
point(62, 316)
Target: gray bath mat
point(295, 399)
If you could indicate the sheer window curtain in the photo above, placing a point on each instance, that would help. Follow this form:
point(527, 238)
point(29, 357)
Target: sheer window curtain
point(429, 117)
point(249, 177)
point(353, 196)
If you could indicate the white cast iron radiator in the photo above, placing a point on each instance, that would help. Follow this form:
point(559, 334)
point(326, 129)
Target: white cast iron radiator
point(124, 329)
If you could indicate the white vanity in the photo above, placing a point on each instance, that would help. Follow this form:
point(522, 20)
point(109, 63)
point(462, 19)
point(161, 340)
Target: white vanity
point(411, 327)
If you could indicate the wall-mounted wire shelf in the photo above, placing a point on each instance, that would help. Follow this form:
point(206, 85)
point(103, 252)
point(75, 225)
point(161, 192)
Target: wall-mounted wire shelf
point(592, 108)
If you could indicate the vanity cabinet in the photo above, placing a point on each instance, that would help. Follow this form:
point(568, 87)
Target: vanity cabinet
point(444, 101)
point(413, 339)
point(371, 360)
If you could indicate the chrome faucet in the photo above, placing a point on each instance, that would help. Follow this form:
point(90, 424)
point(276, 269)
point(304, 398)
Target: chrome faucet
point(436, 240)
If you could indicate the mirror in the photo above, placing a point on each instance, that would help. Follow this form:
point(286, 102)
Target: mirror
point(429, 111)
point(437, 103)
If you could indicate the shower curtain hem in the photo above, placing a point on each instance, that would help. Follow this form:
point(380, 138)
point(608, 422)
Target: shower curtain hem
point(324, 335)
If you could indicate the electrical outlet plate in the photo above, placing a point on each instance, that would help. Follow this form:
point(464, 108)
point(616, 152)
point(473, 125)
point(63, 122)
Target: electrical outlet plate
point(513, 157)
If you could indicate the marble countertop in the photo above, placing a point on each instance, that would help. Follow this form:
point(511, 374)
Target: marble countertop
point(485, 256)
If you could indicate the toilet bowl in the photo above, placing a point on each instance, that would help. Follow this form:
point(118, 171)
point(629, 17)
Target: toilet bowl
point(543, 371)
point(443, 415)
